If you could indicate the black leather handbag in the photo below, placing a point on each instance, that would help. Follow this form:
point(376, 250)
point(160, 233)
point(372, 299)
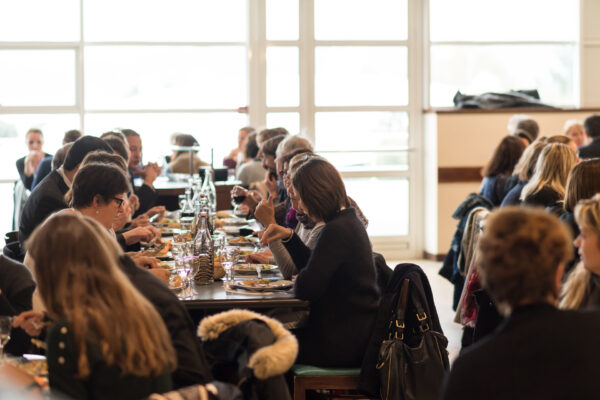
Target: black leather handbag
point(413, 360)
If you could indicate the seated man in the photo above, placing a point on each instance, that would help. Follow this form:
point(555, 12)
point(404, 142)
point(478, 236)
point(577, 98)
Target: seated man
point(48, 196)
point(538, 352)
point(146, 193)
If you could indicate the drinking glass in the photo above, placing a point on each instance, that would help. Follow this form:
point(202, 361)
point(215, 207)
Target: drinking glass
point(258, 270)
point(228, 257)
point(192, 268)
point(5, 327)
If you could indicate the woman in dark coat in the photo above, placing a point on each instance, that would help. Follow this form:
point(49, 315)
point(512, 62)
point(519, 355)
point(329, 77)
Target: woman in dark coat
point(337, 276)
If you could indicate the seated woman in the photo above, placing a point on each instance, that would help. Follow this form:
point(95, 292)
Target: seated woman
point(337, 276)
point(582, 288)
point(180, 160)
point(547, 185)
point(106, 339)
point(583, 183)
point(26, 166)
point(523, 172)
point(500, 167)
point(251, 169)
point(539, 352)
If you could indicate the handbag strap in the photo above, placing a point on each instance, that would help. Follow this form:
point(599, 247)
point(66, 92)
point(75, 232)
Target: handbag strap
point(397, 321)
point(397, 324)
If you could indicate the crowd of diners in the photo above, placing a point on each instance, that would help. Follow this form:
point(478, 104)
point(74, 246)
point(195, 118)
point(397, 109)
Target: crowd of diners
point(114, 329)
point(112, 326)
point(539, 261)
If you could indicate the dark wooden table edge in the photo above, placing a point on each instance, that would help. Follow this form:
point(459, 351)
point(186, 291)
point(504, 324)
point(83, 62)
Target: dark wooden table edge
point(243, 303)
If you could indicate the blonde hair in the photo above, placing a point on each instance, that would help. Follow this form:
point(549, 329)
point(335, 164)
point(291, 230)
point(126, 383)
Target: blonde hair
point(80, 282)
point(552, 169)
point(570, 124)
point(576, 288)
point(526, 165)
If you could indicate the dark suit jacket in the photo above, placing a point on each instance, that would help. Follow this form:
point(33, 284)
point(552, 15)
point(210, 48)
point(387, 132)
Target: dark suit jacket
point(27, 180)
point(539, 352)
point(147, 197)
point(192, 367)
point(42, 171)
point(591, 150)
point(46, 198)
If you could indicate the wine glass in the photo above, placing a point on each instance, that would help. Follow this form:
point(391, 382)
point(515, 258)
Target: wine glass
point(5, 327)
point(258, 270)
point(192, 265)
point(228, 257)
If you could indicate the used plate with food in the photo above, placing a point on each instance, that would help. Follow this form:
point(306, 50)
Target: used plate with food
point(250, 269)
point(242, 241)
point(176, 282)
point(230, 222)
point(159, 251)
point(263, 285)
point(232, 230)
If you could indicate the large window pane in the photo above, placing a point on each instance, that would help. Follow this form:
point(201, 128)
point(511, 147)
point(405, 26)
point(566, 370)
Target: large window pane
point(288, 120)
point(354, 76)
point(137, 77)
point(37, 77)
point(12, 136)
point(361, 19)
point(476, 69)
point(282, 19)
point(39, 20)
point(361, 130)
point(383, 219)
point(162, 21)
point(217, 131)
point(283, 77)
point(507, 20)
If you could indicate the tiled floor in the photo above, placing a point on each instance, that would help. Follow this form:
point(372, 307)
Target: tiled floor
point(442, 293)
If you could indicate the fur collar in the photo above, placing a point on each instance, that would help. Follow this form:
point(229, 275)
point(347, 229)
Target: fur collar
point(275, 359)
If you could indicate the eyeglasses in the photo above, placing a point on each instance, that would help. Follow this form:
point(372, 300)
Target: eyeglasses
point(119, 201)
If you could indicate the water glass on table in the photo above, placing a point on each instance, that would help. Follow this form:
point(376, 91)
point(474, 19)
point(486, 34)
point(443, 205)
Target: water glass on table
point(229, 256)
point(5, 327)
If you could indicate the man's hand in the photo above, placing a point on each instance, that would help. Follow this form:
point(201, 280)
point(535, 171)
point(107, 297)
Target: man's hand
point(151, 172)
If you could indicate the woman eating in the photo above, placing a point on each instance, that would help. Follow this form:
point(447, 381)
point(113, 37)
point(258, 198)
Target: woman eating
point(106, 339)
point(337, 276)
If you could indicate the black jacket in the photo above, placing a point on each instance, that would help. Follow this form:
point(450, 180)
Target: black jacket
point(46, 198)
point(339, 279)
point(369, 377)
point(146, 194)
point(591, 150)
point(192, 367)
point(539, 352)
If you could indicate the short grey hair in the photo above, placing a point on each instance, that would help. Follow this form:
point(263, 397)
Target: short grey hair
point(291, 143)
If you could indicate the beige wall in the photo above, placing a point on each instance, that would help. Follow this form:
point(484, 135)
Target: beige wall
point(465, 139)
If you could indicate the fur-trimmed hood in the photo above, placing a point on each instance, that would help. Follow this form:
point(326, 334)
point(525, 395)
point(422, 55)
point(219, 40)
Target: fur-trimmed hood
point(272, 360)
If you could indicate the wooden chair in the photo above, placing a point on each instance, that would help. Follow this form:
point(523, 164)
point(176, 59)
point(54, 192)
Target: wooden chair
point(308, 377)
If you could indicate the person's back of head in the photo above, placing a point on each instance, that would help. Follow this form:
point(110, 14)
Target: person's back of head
point(293, 142)
point(592, 125)
point(267, 134)
point(105, 158)
point(269, 147)
point(530, 126)
point(251, 150)
point(80, 148)
point(71, 136)
point(118, 146)
point(551, 169)
point(526, 165)
point(129, 133)
point(505, 157)
point(60, 155)
point(583, 183)
point(520, 252)
point(117, 134)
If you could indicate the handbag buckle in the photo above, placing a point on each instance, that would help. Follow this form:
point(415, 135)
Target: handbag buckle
point(398, 325)
point(422, 318)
